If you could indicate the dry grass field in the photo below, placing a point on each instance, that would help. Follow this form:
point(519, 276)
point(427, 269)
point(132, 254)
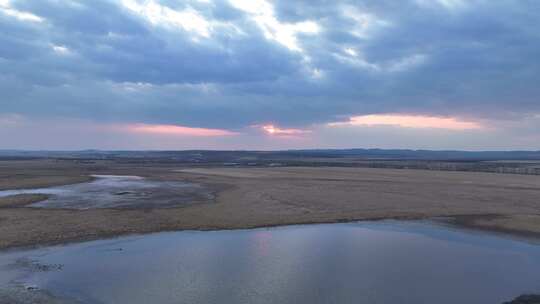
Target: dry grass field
point(256, 197)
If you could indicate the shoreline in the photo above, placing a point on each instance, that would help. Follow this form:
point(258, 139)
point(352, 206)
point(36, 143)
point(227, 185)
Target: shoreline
point(459, 222)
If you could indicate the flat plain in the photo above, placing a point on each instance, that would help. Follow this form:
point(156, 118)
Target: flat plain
point(247, 197)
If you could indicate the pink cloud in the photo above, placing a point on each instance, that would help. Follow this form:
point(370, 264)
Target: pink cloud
point(178, 130)
point(411, 121)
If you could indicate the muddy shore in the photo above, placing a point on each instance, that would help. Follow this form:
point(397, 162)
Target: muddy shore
point(259, 197)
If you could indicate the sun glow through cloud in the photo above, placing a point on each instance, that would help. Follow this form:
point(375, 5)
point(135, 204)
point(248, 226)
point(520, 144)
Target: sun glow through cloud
point(273, 130)
point(178, 130)
point(187, 19)
point(6, 8)
point(410, 121)
point(262, 12)
point(60, 49)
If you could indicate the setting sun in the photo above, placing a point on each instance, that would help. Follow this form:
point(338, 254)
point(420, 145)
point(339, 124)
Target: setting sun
point(273, 130)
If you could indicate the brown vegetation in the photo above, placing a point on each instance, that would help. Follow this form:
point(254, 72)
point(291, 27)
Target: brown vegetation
point(255, 197)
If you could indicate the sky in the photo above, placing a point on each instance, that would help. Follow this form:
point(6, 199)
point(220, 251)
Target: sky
point(267, 75)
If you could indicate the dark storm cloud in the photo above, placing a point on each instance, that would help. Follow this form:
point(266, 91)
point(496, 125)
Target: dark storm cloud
point(102, 61)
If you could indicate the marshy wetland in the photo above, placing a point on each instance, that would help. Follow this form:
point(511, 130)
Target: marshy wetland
point(116, 191)
point(45, 202)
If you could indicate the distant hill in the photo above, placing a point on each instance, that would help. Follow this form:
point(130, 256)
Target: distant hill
point(211, 155)
point(421, 154)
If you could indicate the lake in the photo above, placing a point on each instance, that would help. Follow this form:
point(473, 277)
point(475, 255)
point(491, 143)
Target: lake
point(366, 262)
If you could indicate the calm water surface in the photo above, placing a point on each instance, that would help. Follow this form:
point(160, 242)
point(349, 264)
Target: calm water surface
point(371, 262)
point(117, 191)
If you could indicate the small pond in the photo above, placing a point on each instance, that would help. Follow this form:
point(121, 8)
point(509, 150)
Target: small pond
point(117, 191)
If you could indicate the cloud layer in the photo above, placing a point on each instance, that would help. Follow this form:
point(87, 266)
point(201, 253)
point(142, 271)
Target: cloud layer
point(228, 65)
